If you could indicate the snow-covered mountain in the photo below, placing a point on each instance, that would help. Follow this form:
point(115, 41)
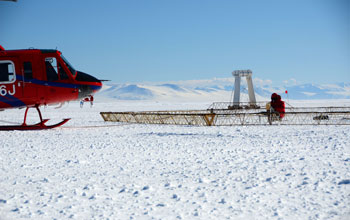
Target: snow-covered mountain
point(220, 89)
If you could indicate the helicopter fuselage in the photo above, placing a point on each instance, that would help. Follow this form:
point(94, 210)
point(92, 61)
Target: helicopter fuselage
point(34, 77)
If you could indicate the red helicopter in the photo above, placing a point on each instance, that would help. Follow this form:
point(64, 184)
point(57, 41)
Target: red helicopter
point(34, 77)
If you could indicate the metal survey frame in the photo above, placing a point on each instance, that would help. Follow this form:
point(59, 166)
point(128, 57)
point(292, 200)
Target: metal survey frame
point(194, 117)
point(235, 116)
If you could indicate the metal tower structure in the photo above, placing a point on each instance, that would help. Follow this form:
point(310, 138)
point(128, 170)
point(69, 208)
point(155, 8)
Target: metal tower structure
point(236, 99)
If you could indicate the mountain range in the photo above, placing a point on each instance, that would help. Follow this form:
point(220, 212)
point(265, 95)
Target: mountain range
point(221, 90)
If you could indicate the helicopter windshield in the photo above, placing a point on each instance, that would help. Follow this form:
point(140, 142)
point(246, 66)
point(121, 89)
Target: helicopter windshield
point(70, 67)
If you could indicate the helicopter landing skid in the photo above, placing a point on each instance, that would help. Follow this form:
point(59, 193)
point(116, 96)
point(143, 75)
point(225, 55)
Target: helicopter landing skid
point(39, 126)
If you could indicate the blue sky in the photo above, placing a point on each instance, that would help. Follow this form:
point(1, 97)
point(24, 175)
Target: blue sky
point(170, 40)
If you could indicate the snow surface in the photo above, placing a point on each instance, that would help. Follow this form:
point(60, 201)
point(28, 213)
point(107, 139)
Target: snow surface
point(90, 169)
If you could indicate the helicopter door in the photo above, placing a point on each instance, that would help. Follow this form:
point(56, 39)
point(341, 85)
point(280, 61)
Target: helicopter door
point(29, 88)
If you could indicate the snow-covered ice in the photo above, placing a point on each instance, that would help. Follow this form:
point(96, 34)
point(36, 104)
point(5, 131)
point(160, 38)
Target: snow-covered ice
point(90, 169)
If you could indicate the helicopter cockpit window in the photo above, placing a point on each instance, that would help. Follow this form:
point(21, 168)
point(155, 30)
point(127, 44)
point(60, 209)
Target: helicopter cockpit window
point(51, 68)
point(7, 72)
point(63, 74)
point(70, 67)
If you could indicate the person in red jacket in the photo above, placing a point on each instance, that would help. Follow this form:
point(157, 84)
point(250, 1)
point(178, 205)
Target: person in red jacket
point(278, 105)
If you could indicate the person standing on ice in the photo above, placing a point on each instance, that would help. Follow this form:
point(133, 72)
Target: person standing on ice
point(276, 105)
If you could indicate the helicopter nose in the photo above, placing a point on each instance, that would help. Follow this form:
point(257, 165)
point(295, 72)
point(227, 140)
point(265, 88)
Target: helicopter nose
point(88, 85)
